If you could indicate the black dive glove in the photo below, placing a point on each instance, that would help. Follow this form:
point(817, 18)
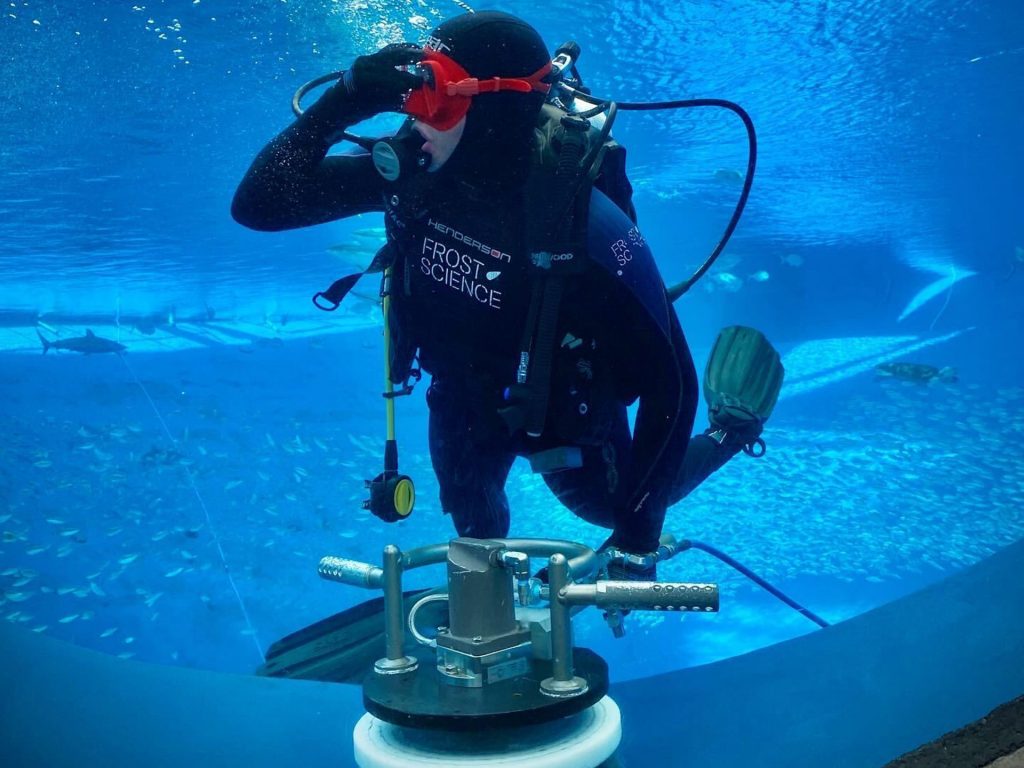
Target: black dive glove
point(370, 86)
point(374, 82)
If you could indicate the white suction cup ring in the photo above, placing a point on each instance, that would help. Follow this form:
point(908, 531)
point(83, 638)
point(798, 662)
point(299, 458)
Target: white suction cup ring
point(585, 740)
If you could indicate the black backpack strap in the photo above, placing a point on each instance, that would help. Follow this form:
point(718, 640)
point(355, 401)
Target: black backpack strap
point(331, 299)
point(556, 236)
point(613, 181)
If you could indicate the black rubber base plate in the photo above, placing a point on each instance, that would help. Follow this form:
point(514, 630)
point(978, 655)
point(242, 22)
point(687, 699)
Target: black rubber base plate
point(422, 699)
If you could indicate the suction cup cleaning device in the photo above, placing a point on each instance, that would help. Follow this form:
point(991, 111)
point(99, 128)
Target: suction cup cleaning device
point(496, 680)
point(482, 670)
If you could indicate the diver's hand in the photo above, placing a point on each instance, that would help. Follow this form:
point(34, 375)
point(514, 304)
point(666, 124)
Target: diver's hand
point(375, 81)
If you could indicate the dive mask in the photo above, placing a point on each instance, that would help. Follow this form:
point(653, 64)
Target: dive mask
point(448, 90)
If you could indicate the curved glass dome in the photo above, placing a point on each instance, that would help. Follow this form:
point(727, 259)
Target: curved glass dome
point(170, 504)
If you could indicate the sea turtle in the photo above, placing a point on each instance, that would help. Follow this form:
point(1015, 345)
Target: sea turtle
point(916, 372)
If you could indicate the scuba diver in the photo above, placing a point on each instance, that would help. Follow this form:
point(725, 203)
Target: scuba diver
point(522, 285)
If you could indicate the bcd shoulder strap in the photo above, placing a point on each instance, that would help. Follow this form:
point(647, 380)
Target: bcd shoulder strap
point(558, 196)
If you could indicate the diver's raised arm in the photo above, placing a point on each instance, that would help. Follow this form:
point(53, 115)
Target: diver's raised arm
point(293, 183)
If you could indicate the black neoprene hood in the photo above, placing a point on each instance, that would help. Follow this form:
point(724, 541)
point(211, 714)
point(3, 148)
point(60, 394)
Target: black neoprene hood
point(491, 44)
point(498, 137)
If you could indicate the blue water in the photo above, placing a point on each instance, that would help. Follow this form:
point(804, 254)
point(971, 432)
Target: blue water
point(171, 506)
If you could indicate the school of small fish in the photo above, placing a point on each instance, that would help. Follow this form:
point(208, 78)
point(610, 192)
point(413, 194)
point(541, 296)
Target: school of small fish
point(112, 536)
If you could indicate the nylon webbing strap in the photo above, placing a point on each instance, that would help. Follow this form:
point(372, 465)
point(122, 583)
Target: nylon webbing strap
point(331, 299)
point(551, 234)
point(544, 348)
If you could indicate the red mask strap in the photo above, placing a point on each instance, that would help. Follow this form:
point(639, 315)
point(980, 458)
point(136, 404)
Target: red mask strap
point(446, 97)
point(471, 86)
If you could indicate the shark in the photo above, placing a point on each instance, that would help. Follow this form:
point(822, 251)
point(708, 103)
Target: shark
point(90, 344)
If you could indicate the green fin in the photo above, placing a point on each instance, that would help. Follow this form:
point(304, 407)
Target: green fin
point(742, 380)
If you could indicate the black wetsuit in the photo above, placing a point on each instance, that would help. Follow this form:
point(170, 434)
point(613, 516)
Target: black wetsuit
point(461, 291)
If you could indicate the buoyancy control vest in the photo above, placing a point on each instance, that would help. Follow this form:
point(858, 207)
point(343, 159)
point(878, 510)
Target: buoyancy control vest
point(569, 162)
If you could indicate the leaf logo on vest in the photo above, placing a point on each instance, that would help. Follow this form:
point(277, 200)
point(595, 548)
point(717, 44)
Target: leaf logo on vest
point(622, 253)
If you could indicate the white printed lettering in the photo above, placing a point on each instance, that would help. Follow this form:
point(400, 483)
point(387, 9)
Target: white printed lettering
point(458, 271)
point(469, 242)
point(621, 253)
